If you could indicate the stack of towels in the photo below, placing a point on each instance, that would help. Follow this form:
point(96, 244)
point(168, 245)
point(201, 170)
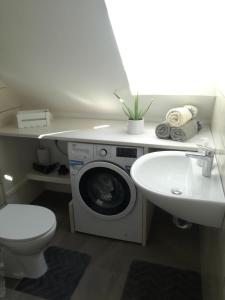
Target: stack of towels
point(180, 124)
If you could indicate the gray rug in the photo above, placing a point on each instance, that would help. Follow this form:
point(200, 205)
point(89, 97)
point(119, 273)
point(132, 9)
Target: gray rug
point(66, 268)
point(148, 281)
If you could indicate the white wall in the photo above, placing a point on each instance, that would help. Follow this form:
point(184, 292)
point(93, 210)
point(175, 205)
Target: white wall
point(16, 158)
point(9, 104)
point(16, 154)
point(63, 55)
point(213, 240)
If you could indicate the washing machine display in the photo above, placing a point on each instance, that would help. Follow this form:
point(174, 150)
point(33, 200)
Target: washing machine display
point(126, 152)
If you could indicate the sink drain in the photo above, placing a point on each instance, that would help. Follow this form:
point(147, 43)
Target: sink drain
point(176, 192)
point(181, 224)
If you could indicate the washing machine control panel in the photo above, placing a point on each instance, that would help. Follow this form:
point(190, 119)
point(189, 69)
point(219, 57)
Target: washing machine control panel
point(126, 152)
point(81, 153)
point(103, 152)
point(120, 155)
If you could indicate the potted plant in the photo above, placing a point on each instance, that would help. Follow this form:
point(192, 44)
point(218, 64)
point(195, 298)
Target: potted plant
point(135, 115)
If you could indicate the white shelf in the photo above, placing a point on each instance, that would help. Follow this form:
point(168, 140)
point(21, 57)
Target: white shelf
point(53, 177)
point(104, 132)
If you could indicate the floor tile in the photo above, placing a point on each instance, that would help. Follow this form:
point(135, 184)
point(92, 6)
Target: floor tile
point(110, 259)
point(15, 295)
point(100, 284)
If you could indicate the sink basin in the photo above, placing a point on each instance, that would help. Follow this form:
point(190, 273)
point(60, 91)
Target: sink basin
point(174, 182)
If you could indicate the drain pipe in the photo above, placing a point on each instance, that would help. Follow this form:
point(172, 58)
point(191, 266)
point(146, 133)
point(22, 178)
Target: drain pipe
point(181, 224)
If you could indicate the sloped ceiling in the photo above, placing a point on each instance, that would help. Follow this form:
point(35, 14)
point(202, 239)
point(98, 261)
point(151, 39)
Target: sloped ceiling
point(61, 54)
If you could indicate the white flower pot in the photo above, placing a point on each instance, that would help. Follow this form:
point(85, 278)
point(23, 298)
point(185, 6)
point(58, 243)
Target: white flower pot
point(135, 126)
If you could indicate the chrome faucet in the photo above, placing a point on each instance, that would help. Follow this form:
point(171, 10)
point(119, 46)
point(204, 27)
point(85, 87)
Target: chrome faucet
point(206, 156)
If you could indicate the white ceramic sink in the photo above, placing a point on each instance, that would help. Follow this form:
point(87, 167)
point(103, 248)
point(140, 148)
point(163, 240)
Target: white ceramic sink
point(160, 175)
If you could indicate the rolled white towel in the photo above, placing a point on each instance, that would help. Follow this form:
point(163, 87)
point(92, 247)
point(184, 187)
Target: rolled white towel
point(193, 109)
point(178, 116)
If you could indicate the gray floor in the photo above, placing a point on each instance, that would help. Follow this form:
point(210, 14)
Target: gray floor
point(106, 274)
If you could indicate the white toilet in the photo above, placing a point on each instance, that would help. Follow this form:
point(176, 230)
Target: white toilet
point(25, 231)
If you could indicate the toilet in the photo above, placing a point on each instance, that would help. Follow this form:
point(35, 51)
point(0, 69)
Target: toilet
point(25, 231)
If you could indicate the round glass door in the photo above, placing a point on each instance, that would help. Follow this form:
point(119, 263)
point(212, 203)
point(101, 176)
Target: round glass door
point(105, 190)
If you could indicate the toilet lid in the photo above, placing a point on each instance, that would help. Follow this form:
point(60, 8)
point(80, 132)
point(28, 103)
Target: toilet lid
point(22, 222)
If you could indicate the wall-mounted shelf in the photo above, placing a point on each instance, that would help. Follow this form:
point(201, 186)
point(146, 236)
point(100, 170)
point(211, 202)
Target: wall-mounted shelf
point(53, 177)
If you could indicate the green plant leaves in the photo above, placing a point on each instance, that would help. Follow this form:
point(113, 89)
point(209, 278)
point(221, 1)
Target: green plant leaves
point(145, 111)
point(136, 113)
point(126, 113)
point(116, 95)
point(129, 111)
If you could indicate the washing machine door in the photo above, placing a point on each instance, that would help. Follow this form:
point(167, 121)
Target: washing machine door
point(105, 190)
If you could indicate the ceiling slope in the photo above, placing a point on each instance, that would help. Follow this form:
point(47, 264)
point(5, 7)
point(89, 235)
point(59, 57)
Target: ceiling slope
point(61, 55)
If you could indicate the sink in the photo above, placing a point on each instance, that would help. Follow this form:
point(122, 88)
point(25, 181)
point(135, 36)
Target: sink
point(174, 182)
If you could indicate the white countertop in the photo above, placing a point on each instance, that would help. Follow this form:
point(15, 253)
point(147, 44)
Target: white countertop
point(114, 132)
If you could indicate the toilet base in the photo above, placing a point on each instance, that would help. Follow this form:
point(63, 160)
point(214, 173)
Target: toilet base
point(20, 266)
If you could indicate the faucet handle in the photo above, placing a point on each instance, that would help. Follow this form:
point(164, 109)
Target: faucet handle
point(206, 150)
point(209, 152)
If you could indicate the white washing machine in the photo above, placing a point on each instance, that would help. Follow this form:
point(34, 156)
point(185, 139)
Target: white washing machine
point(105, 199)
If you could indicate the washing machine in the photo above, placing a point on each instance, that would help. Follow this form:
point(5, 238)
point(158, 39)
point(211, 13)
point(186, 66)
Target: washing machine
point(105, 199)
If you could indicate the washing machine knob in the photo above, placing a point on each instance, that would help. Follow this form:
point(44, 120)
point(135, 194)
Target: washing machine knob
point(103, 152)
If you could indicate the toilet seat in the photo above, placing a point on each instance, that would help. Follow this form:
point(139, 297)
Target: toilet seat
point(21, 222)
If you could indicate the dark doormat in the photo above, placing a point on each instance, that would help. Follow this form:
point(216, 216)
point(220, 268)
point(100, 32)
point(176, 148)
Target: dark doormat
point(147, 281)
point(66, 268)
